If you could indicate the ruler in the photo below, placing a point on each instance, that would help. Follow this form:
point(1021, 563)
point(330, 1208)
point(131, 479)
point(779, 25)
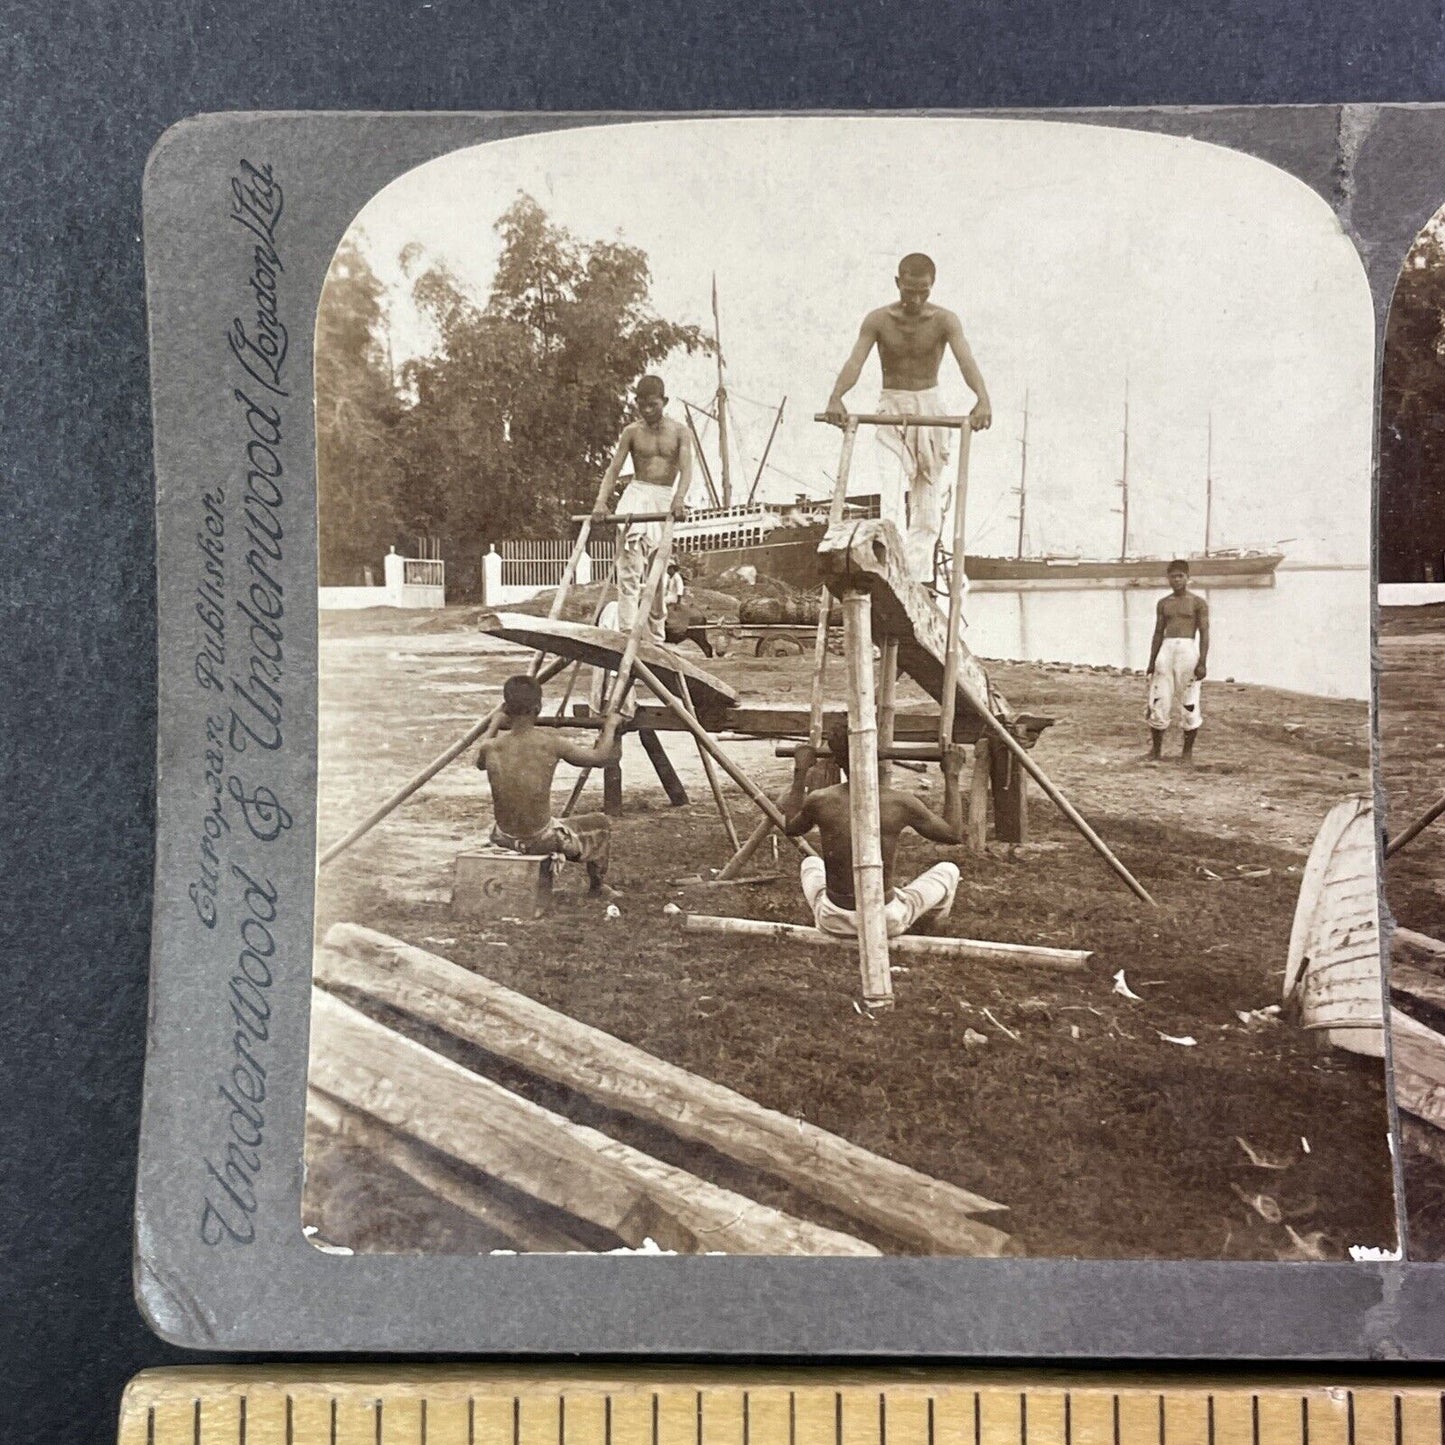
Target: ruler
point(466, 1405)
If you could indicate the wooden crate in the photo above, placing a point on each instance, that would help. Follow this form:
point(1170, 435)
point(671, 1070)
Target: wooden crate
point(490, 883)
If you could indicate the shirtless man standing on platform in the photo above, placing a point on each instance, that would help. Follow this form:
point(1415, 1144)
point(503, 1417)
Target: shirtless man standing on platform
point(911, 336)
point(1177, 661)
point(520, 760)
point(828, 881)
point(660, 449)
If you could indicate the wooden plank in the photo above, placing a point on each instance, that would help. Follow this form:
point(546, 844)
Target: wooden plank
point(602, 647)
point(863, 802)
point(662, 766)
point(978, 797)
point(936, 1216)
point(1419, 1096)
point(569, 1166)
point(1419, 949)
point(1416, 1048)
point(784, 720)
point(1416, 983)
point(526, 1230)
point(972, 949)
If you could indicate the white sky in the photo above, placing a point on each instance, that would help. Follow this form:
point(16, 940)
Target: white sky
point(1074, 254)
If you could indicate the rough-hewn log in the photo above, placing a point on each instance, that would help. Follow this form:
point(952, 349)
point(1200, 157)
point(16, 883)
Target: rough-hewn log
point(526, 1230)
point(973, 949)
point(569, 1166)
point(935, 1216)
point(869, 557)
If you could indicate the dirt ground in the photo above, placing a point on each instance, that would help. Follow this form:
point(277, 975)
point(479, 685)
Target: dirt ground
point(1083, 1112)
point(1412, 771)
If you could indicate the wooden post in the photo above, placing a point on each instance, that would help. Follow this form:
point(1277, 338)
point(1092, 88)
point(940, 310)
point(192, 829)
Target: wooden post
point(662, 766)
point(1010, 798)
point(612, 789)
point(868, 890)
point(978, 798)
point(948, 701)
point(887, 709)
point(675, 706)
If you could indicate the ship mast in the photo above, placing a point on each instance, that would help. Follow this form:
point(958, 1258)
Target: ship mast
point(1209, 484)
point(1023, 476)
point(1124, 481)
point(721, 404)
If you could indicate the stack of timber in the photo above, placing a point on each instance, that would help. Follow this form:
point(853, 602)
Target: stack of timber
point(1334, 966)
point(420, 1111)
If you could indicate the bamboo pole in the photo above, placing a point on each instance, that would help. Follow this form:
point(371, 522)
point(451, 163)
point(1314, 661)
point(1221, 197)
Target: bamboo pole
point(949, 700)
point(973, 949)
point(868, 889)
point(887, 709)
point(559, 598)
point(1434, 811)
point(759, 835)
point(710, 772)
point(673, 705)
point(893, 418)
point(427, 773)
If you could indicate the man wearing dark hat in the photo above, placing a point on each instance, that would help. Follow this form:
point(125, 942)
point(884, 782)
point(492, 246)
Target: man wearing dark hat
point(660, 450)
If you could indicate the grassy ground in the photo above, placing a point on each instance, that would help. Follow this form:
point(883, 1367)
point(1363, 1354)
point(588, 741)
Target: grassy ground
point(1412, 770)
point(1103, 1136)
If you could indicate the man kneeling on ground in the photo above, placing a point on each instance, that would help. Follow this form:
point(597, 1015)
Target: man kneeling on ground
point(520, 760)
point(828, 881)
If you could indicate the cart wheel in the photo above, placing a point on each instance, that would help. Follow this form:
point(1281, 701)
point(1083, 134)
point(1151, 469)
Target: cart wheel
point(778, 647)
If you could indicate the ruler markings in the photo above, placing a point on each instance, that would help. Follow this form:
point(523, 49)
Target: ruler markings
point(363, 1407)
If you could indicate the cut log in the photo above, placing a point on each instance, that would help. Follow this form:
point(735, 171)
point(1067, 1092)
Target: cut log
point(569, 1166)
point(1417, 1048)
point(933, 1215)
point(525, 1229)
point(869, 557)
point(972, 949)
point(1418, 948)
point(1416, 983)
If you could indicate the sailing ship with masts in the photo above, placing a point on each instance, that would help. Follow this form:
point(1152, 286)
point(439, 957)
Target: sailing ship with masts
point(1212, 567)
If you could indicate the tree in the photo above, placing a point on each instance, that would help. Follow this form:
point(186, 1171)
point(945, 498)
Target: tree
point(517, 410)
point(357, 413)
point(1412, 417)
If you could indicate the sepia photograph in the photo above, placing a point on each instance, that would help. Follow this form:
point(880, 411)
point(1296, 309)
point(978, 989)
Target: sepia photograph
point(844, 675)
point(1411, 731)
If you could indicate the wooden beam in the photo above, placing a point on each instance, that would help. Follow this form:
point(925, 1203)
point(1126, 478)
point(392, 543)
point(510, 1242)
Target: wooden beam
point(569, 1166)
point(863, 802)
point(978, 798)
point(972, 949)
point(1009, 785)
point(526, 1229)
point(934, 1216)
point(662, 766)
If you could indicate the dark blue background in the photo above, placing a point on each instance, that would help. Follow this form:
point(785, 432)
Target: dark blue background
point(85, 90)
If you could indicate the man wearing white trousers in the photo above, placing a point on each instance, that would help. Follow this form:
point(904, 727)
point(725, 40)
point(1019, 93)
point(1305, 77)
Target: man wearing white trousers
point(1177, 662)
point(911, 336)
point(828, 880)
point(660, 451)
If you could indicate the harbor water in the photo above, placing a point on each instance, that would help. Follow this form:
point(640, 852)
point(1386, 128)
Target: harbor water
point(1310, 632)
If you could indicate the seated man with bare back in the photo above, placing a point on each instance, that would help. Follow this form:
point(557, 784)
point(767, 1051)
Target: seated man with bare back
point(661, 454)
point(1178, 661)
point(828, 881)
point(911, 336)
point(520, 760)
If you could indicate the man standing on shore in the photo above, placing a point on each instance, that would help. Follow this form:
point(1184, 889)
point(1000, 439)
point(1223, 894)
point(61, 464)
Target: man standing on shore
point(660, 450)
point(1177, 661)
point(911, 336)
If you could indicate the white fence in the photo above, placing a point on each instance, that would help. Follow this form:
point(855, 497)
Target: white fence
point(409, 582)
point(517, 570)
